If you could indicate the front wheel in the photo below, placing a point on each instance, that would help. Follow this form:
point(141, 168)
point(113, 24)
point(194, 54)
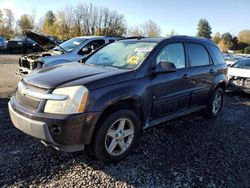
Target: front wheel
point(215, 103)
point(116, 136)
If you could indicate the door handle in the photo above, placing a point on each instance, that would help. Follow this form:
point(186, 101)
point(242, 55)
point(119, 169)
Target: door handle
point(185, 76)
point(211, 71)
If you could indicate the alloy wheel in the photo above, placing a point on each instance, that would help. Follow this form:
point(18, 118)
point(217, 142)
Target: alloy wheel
point(119, 136)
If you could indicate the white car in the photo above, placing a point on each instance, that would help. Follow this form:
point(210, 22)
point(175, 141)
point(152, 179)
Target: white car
point(232, 59)
point(239, 76)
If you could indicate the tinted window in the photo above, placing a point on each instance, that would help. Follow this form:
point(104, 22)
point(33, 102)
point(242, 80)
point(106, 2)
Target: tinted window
point(95, 44)
point(243, 63)
point(71, 44)
point(173, 53)
point(198, 55)
point(111, 40)
point(217, 54)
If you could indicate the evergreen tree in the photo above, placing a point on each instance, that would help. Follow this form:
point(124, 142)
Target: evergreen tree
point(204, 29)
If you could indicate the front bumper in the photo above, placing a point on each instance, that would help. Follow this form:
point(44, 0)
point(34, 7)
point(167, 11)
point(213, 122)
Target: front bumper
point(64, 132)
point(239, 84)
point(31, 127)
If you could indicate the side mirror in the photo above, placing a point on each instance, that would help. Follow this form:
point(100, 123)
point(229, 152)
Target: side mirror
point(165, 67)
point(86, 50)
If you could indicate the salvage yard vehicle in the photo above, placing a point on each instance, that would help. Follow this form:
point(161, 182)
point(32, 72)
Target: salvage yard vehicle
point(48, 47)
point(239, 76)
point(117, 91)
point(71, 50)
point(232, 59)
point(22, 44)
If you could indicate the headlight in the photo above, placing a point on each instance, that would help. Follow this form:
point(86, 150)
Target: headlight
point(75, 102)
point(229, 77)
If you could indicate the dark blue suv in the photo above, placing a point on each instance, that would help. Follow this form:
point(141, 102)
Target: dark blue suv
point(124, 87)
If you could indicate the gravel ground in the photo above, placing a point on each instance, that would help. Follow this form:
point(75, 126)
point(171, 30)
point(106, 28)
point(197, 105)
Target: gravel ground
point(192, 151)
point(8, 78)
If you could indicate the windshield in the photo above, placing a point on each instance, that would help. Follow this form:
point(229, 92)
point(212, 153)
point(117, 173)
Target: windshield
point(244, 64)
point(71, 44)
point(122, 54)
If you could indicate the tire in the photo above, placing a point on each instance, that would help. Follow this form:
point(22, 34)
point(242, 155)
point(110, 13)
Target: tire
point(215, 103)
point(119, 130)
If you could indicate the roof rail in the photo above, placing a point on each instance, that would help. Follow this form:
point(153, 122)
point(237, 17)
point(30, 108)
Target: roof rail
point(113, 36)
point(133, 37)
point(179, 36)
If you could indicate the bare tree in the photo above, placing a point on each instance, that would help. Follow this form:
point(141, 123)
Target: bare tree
point(1, 23)
point(135, 31)
point(171, 33)
point(49, 26)
point(33, 17)
point(151, 29)
point(148, 29)
point(63, 28)
point(6, 23)
point(93, 20)
point(25, 23)
point(87, 20)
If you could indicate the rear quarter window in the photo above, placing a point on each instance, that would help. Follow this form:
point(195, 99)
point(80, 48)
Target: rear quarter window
point(198, 55)
point(218, 58)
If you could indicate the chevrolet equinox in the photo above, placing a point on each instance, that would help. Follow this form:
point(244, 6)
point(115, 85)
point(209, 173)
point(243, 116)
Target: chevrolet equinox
point(105, 101)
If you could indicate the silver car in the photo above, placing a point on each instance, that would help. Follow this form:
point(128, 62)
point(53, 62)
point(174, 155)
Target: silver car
point(53, 53)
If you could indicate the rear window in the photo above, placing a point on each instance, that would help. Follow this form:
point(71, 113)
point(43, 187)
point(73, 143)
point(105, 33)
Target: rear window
point(198, 55)
point(217, 55)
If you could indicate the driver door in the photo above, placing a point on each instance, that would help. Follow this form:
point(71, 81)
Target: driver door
point(171, 91)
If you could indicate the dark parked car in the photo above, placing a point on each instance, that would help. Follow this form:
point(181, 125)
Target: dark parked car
point(71, 50)
point(22, 44)
point(48, 47)
point(120, 89)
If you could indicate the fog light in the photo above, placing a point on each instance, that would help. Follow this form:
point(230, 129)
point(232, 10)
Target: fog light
point(55, 129)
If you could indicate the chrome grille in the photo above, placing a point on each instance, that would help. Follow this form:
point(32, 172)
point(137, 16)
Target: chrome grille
point(28, 101)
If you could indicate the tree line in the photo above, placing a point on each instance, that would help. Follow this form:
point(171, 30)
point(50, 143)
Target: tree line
point(87, 20)
point(226, 41)
point(75, 21)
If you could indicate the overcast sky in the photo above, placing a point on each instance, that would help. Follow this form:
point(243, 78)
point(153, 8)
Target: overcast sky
point(180, 15)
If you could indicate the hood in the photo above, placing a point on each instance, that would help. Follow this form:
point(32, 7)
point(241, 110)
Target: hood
point(49, 61)
point(53, 77)
point(238, 72)
point(40, 39)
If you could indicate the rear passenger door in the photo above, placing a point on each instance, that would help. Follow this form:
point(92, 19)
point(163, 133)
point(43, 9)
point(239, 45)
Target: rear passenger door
point(202, 72)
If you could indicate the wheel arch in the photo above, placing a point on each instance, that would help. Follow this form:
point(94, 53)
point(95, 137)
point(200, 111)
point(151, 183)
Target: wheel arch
point(132, 104)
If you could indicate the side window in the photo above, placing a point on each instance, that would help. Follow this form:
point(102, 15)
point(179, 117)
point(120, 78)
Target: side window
point(111, 40)
point(173, 53)
point(198, 55)
point(95, 44)
point(217, 54)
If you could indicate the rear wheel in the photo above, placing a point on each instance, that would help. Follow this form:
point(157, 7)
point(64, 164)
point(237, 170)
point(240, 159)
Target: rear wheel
point(116, 136)
point(215, 103)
